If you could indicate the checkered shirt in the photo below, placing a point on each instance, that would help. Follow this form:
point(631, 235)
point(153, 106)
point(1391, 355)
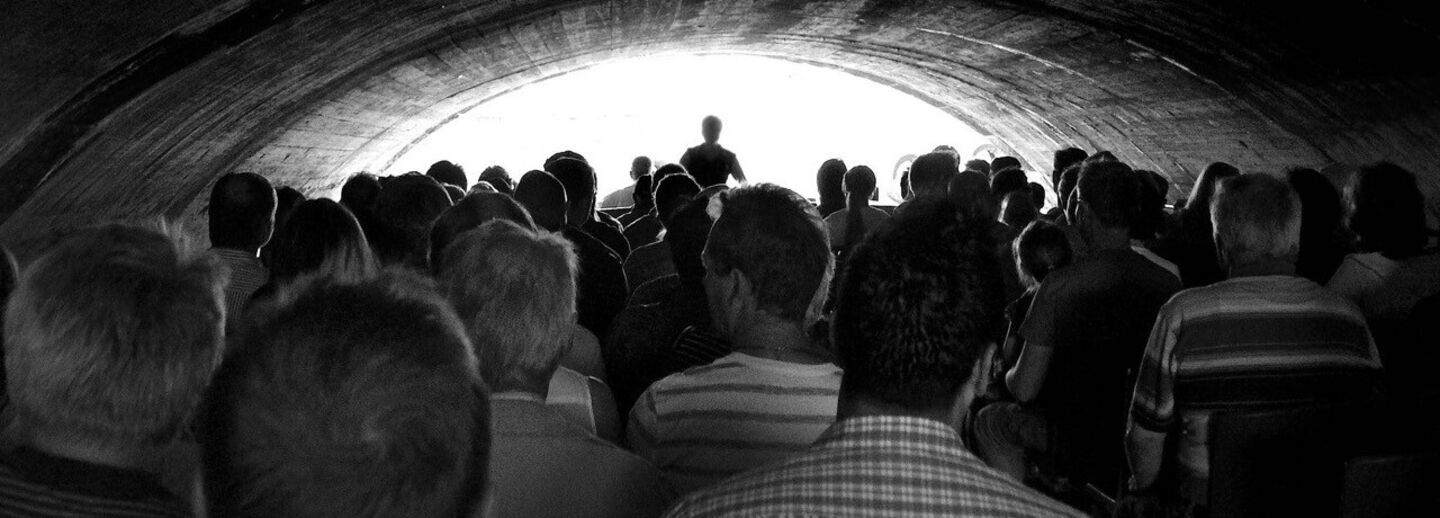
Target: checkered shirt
point(874, 466)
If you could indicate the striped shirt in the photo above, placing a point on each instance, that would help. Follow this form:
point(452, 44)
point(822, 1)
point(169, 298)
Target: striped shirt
point(738, 413)
point(875, 466)
point(1245, 343)
point(37, 484)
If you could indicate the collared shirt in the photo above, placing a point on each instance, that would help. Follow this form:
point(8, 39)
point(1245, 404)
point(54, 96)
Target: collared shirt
point(875, 466)
point(33, 483)
point(246, 276)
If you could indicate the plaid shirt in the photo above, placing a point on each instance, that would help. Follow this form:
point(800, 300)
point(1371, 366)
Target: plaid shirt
point(875, 466)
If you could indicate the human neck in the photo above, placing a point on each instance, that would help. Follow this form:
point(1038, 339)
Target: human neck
point(775, 339)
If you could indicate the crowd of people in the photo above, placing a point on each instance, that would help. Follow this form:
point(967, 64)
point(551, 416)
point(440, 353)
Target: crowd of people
point(433, 345)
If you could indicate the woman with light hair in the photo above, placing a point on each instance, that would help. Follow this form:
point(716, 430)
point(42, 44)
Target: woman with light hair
point(514, 289)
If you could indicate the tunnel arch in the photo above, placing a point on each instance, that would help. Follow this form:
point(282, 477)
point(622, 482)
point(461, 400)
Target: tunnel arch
point(308, 91)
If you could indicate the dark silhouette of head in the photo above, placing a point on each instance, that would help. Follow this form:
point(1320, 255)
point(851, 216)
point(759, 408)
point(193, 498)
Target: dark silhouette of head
point(1387, 211)
point(242, 212)
point(667, 170)
point(1004, 163)
point(639, 167)
point(915, 310)
point(454, 192)
point(1064, 158)
point(1066, 188)
point(710, 128)
point(544, 198)
point(674, 191)
point(685, 233)
point(1018, 210)
point(1204, 186)
point(1256, 218)
point(1007, 181)
point(1150, 214)
point(858, 184)
point(286, 199)
point(349, 395)
point(1109, 194)
point(318, 233)
point(1040, 249)
point(775, 239)
point(473, 211)
point(931, 173)
point(979, 166)
point(829, 182)
point(971, 194)
point(484, 186)
point(578, 178)
point(449, 173)
point(406, 208)
point(564, 154)
point(498, 178)
point(1037, 195)
point(643, 196)
point(360, 192)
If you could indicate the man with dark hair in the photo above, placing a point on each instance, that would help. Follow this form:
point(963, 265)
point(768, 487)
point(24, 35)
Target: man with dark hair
point(448, 173)
point(579, 181)
point(1008, 181)
point(351, 395)
point(242, 218)
point(768, 265)
point(498, 178)
point(652, 261)
point(1085, 329)
point(110, 338)
point(979, 166)
point(708, 162)
point(404, 211)
point(1002, 164)
point(602, 289)
point(1264, 337)
point(930, 174)
point(912, 327)
point(359, 193)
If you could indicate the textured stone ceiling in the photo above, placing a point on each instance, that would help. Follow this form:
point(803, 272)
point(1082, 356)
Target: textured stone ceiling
point(112, 108)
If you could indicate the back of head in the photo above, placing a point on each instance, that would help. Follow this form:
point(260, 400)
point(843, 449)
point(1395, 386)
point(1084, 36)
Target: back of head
point(971, 193)
point(578, 178)
point(1110, 192)
point(1256, 218)
point(1204, 186)
point(931, 172)
point(544, 198)
point(639, 167)
point(644, 193)
point(286, 199)
point(498, 178)
point(242, 211)
point(1065, 158)
point(979, 166)
point(1004, 163)
point(514, 289)
point(667, 170)
point(674, 191)
point(710, 128)
point(406, 208)
point(317, 233)
point(1037, 195)
point(1007, 181)
point(685, 233)
point(916, 308)
point(111, 336)
point(1387, 210)
point(1018, 210)
point(563, 154)
point(360, 192)
point(776, 239)
point(1066, 187)
point(449, 173)
point(859, 183)
point(472, 211)
point(1040, 249)
point(829, 182)
point(349, 396)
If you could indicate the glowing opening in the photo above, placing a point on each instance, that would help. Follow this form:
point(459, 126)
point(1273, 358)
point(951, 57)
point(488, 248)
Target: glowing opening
point(782, 119)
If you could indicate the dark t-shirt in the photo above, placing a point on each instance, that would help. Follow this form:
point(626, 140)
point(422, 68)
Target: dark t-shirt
point(707, 168)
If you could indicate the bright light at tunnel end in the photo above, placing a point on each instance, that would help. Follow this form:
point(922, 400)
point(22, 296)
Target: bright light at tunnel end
point(781, 118)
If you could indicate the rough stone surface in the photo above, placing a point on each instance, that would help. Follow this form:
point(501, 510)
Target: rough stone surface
point(122, 109)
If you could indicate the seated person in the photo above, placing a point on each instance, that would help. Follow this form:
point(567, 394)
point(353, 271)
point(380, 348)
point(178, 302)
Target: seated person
point(578, 178)
point(353, 394)
point(767, 264)
point(602, 288)
point(1263, 337)
point(110, 338)
point(242, 219)
point(912, 326)
point(858, 184)
point(514, 289)
point(1394, 270)
point(653, 260)
point(1040, 249)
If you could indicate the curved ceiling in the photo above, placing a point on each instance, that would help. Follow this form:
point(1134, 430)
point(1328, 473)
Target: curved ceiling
point(114, 112)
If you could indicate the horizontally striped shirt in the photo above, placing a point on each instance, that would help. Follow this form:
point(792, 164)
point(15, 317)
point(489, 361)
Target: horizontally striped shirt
point(875, 466)
point(738, 413)
point(1247, 343)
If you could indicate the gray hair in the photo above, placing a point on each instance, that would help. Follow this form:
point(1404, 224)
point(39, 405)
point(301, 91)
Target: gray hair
point(112, 335)
point(1256, 217)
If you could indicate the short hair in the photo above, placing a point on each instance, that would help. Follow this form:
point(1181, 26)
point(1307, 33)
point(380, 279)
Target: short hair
point(979, 166)
point(1111, 192)
point(1004, 163)
point(405, 209)
point(577, 177)
point(685, 234)
point(859, 181)
point(1040, 249)
point(1018, 210)
point(1387, 210)
point(498, 178)
point(1256, 217)
point(971, 194)
point(931, 172)
point(829, 180)
point(1007, 181)
point(663, 171)
point(711, 125)
point(777, 240)
point(242, 211)
point(359, 192)
point(641, 164)
point(472, 212)
point(348, 396)
point(319, 232)
point(544, 198)
point(111, 336)
point(674, 191)
point(644, 192)
point(563, 154)
point(916, 307)
point(449, 173)
point(1037, 194)
point(1064, 158)
point(514, 289)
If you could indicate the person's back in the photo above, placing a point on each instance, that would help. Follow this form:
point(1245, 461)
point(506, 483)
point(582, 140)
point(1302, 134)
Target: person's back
point(242, 219)
point(709, 163)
